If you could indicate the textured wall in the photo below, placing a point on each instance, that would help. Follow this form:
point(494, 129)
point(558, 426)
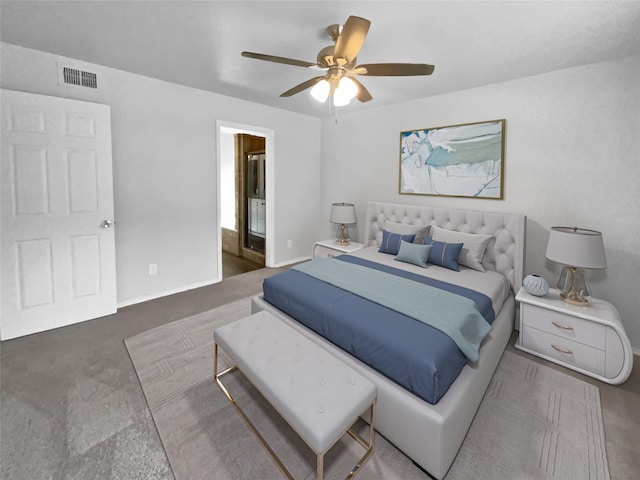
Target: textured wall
point(164, 165)
point(572, 158)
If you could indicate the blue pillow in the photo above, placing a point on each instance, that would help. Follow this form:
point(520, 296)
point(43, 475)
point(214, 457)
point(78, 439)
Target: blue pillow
point(391, 242)
point(444, 254)
point(413, 253)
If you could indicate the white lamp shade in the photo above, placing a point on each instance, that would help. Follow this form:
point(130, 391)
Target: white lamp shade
point(576, 247)
point(320, 91)
point(340, 100)
point(343, 213)
point(346, 90)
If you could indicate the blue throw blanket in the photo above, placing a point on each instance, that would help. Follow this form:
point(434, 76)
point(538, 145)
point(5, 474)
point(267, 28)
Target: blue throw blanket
point(452, 314)
point(483, 303)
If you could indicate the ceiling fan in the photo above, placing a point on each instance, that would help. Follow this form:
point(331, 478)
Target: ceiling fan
point(339, 63)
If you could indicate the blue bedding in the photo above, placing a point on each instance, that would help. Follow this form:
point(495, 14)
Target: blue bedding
point(453, 314)
point(419, 357)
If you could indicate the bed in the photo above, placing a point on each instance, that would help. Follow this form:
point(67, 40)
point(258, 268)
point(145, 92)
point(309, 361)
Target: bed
point(428, 425)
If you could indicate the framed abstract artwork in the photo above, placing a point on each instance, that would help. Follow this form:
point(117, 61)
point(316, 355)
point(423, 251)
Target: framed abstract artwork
point(455, 161)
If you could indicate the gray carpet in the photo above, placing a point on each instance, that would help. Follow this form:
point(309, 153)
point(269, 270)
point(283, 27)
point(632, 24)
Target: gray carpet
point(534, 422)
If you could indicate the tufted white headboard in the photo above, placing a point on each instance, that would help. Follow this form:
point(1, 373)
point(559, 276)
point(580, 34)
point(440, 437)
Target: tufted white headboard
point(505, 251)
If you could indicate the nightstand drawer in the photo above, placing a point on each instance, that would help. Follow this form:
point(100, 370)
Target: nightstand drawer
point(329, 248)
point(565, 326)
point(564, 350)
point(320, 251)
point(588, 339)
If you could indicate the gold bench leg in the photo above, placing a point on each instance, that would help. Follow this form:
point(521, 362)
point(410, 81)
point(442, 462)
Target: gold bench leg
point(320, 467)
point(244, 417)
point(370, 445)
point(320, 458)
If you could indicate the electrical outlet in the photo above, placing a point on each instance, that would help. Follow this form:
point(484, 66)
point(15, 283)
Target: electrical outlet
point(153, 269)
point(289, 243)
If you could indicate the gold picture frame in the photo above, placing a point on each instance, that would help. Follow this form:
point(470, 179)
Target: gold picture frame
point(465, 160)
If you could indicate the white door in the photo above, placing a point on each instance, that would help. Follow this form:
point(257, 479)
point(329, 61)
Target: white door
point(57, 253)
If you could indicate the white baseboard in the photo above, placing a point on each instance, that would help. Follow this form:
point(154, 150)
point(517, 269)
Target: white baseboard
point(134, 301)
point(126, 303)
point(291, 262)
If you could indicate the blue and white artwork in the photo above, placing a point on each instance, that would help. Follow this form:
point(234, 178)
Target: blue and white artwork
point(461, 160)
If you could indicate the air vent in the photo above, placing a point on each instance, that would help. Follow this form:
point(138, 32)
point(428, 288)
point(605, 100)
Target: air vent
point(75, 76)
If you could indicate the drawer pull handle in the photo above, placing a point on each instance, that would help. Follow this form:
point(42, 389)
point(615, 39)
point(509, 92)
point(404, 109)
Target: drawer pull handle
point(564, 327)
point(562, 350)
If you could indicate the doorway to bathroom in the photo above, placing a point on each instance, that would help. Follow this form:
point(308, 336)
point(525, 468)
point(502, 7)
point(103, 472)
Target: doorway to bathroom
point(244, 207)
point(253, 199)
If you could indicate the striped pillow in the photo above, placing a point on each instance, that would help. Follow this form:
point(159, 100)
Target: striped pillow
point(391, 242)
point(444, 254)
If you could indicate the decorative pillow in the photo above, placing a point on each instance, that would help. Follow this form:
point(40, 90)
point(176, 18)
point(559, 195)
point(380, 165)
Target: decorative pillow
point(391, 242)
point(444, 254)
point(474, 245)
point(413, 253)
point(405, 229)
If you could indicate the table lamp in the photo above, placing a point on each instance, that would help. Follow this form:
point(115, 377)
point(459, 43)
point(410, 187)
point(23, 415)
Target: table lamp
point(342, 214)
point(578, 249)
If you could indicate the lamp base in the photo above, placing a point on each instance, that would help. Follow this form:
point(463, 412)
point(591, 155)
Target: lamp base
point(574, 299)
point(573, 286)
point(342, 239)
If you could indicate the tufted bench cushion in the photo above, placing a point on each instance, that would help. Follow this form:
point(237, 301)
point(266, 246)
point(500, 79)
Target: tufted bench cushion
point(318, 395)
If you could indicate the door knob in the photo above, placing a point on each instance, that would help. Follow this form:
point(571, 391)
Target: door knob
point(107, 223)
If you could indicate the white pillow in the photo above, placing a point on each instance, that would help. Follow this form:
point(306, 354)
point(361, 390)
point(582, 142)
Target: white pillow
point(474, 245)
point(405, 229)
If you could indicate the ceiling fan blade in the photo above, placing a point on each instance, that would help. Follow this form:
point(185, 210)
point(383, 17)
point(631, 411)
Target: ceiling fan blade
point(275, 59)
point(351, 39)
point(301, 87)
point(363, 94)
point(396, 69)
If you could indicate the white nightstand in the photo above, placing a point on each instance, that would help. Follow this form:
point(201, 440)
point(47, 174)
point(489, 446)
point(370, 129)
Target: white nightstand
point(329, 248)
point(590, 339)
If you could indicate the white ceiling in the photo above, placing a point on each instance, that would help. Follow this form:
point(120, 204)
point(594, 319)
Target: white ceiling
point(198, 43)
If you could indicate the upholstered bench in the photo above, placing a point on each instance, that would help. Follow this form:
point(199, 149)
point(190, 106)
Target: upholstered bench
point(317, 395)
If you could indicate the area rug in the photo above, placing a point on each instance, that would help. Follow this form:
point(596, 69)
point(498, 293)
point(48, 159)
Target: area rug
point(533, 423)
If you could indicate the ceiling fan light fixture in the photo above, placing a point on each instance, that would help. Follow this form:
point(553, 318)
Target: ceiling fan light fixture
point(320, 91)
point(348, 87)
point(345, 92)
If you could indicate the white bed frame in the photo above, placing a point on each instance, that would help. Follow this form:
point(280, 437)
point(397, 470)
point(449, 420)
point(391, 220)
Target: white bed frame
point(431, 435)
